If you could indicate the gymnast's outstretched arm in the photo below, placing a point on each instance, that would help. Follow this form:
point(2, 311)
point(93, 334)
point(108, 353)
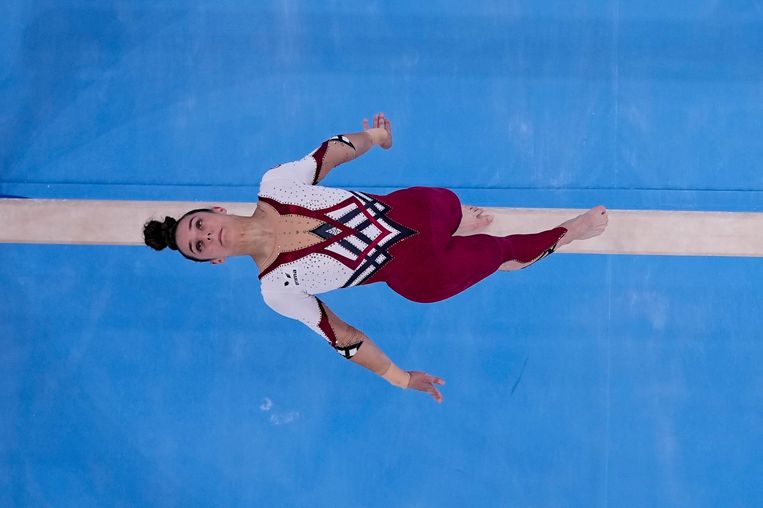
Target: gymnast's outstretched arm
point(347, 340)
point(355, 345)
point(345, 147)
point(373, 358)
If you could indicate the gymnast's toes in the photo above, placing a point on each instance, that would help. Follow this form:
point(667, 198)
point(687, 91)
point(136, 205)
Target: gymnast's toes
point(473, 219)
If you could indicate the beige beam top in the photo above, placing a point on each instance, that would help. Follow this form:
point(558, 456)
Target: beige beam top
point(629, 232)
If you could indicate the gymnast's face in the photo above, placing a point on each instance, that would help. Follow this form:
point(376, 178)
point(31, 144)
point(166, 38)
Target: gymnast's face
point(206, 236)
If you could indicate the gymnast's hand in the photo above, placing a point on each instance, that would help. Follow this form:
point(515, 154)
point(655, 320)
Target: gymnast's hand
point(381, 131)
point(425, 383)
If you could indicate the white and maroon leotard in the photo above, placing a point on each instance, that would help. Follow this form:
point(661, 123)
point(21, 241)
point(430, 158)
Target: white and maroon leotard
point(403, 239)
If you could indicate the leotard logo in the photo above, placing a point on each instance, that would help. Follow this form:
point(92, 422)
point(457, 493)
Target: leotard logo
point(289, 278)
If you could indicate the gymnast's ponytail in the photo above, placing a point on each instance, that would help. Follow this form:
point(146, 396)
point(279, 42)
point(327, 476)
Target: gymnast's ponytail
point(159, 235)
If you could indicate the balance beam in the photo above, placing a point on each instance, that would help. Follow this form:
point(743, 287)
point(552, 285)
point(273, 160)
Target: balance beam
point(645, 232)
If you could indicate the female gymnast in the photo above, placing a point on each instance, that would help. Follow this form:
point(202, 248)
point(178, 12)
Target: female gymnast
point(307, 239)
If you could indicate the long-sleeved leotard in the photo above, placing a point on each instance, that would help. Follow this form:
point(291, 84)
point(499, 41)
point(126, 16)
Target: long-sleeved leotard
point(329, 238)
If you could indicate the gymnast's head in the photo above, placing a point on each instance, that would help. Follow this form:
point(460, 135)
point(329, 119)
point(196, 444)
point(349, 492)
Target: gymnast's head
point(204, 234)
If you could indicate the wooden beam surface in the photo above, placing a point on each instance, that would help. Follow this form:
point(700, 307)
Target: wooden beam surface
point(646, 232)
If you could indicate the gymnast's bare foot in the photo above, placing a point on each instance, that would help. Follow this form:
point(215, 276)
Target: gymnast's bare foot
point(473, 220)
point(590, 224)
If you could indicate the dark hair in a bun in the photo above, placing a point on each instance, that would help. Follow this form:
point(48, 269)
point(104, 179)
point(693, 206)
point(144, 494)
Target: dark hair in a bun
point(159, 235)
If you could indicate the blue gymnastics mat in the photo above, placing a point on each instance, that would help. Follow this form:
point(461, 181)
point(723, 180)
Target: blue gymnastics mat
point(131, 378)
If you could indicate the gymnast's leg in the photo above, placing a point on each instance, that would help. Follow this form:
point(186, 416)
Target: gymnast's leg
point(466, 260)
point(590, 224)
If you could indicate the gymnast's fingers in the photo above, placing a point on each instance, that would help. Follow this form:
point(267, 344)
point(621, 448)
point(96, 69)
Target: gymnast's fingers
point(435, 393)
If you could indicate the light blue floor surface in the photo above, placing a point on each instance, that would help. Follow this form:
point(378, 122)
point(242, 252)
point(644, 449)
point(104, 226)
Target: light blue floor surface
point(131, 378)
